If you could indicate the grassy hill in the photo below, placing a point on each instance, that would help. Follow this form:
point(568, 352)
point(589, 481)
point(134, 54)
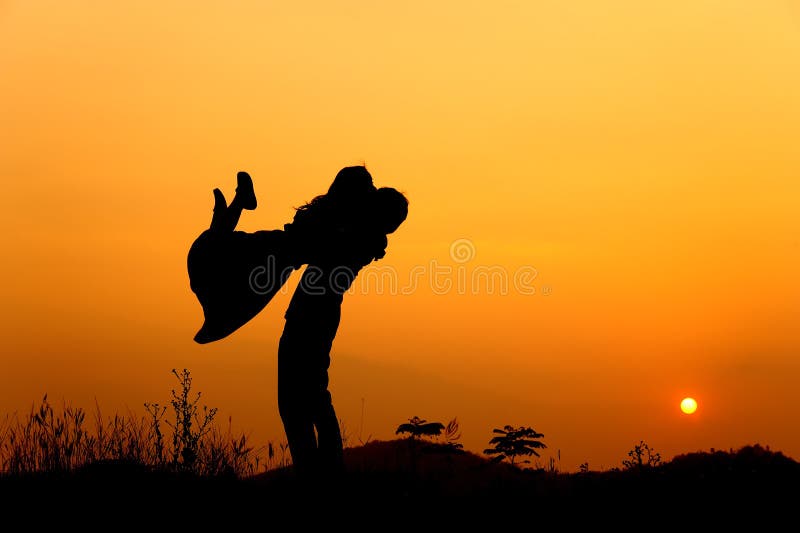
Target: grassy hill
point(407, 477)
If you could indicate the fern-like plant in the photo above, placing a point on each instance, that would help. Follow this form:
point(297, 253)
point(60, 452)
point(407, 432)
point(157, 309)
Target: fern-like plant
point(512, 442)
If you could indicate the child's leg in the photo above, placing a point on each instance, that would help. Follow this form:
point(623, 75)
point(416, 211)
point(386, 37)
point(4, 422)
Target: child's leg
point(245, 195)
point(226, 217)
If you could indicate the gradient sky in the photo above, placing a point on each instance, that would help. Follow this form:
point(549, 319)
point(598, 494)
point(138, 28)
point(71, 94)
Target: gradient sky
point(640, 156)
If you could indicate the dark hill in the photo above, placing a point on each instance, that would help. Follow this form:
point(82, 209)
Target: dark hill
point(402, 477)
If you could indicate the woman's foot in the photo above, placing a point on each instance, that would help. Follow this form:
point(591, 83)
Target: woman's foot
point(245, 194)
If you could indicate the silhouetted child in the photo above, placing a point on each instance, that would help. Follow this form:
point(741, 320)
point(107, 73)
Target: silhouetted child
point(234, 274)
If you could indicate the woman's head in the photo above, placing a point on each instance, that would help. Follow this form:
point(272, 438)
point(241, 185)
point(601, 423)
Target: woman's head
point(351, 183)
point(390, 209)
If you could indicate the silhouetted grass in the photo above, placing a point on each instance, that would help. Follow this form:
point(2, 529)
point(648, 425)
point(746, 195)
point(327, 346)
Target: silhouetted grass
point(181, 437)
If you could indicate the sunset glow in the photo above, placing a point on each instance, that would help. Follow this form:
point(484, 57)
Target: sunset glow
point(603, 204)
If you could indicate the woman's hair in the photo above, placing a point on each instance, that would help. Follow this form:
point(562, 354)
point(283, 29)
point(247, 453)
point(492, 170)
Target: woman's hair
point(352, 182)
point(350, 188)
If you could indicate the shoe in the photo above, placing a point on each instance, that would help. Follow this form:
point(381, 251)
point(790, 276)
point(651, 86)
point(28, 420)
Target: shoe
point(245, 194)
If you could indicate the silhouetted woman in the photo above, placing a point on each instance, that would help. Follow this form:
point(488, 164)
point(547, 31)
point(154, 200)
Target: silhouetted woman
point(357, 218)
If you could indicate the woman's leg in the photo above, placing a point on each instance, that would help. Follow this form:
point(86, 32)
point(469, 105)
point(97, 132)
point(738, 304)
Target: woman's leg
point(329, 436)
point(330, 449)
point(294, 398)
point(303, 397)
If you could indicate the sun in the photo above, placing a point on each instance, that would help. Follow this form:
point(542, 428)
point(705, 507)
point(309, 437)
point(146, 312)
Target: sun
point(688, 405)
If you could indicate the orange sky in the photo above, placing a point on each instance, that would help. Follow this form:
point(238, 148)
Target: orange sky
point(641, 157)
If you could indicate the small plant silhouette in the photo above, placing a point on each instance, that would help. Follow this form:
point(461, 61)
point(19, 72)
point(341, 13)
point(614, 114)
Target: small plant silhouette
point(641, 457)
point(452, 434)
point(185, 439)
point(418, 428)
point(447, 441)
point(512, 442)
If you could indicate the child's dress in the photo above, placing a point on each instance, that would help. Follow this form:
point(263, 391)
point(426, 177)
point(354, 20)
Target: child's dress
point(234, 275)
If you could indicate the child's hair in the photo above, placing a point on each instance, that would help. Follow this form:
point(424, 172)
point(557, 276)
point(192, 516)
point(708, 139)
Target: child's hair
point(391, 209)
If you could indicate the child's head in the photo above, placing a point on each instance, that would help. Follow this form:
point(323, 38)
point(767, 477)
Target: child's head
point(390, 209)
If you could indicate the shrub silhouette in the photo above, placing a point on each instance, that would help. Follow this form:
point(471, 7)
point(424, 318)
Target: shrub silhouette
point(417, 428)
point(186, 441)
point(641, 457)
point(512, 442)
